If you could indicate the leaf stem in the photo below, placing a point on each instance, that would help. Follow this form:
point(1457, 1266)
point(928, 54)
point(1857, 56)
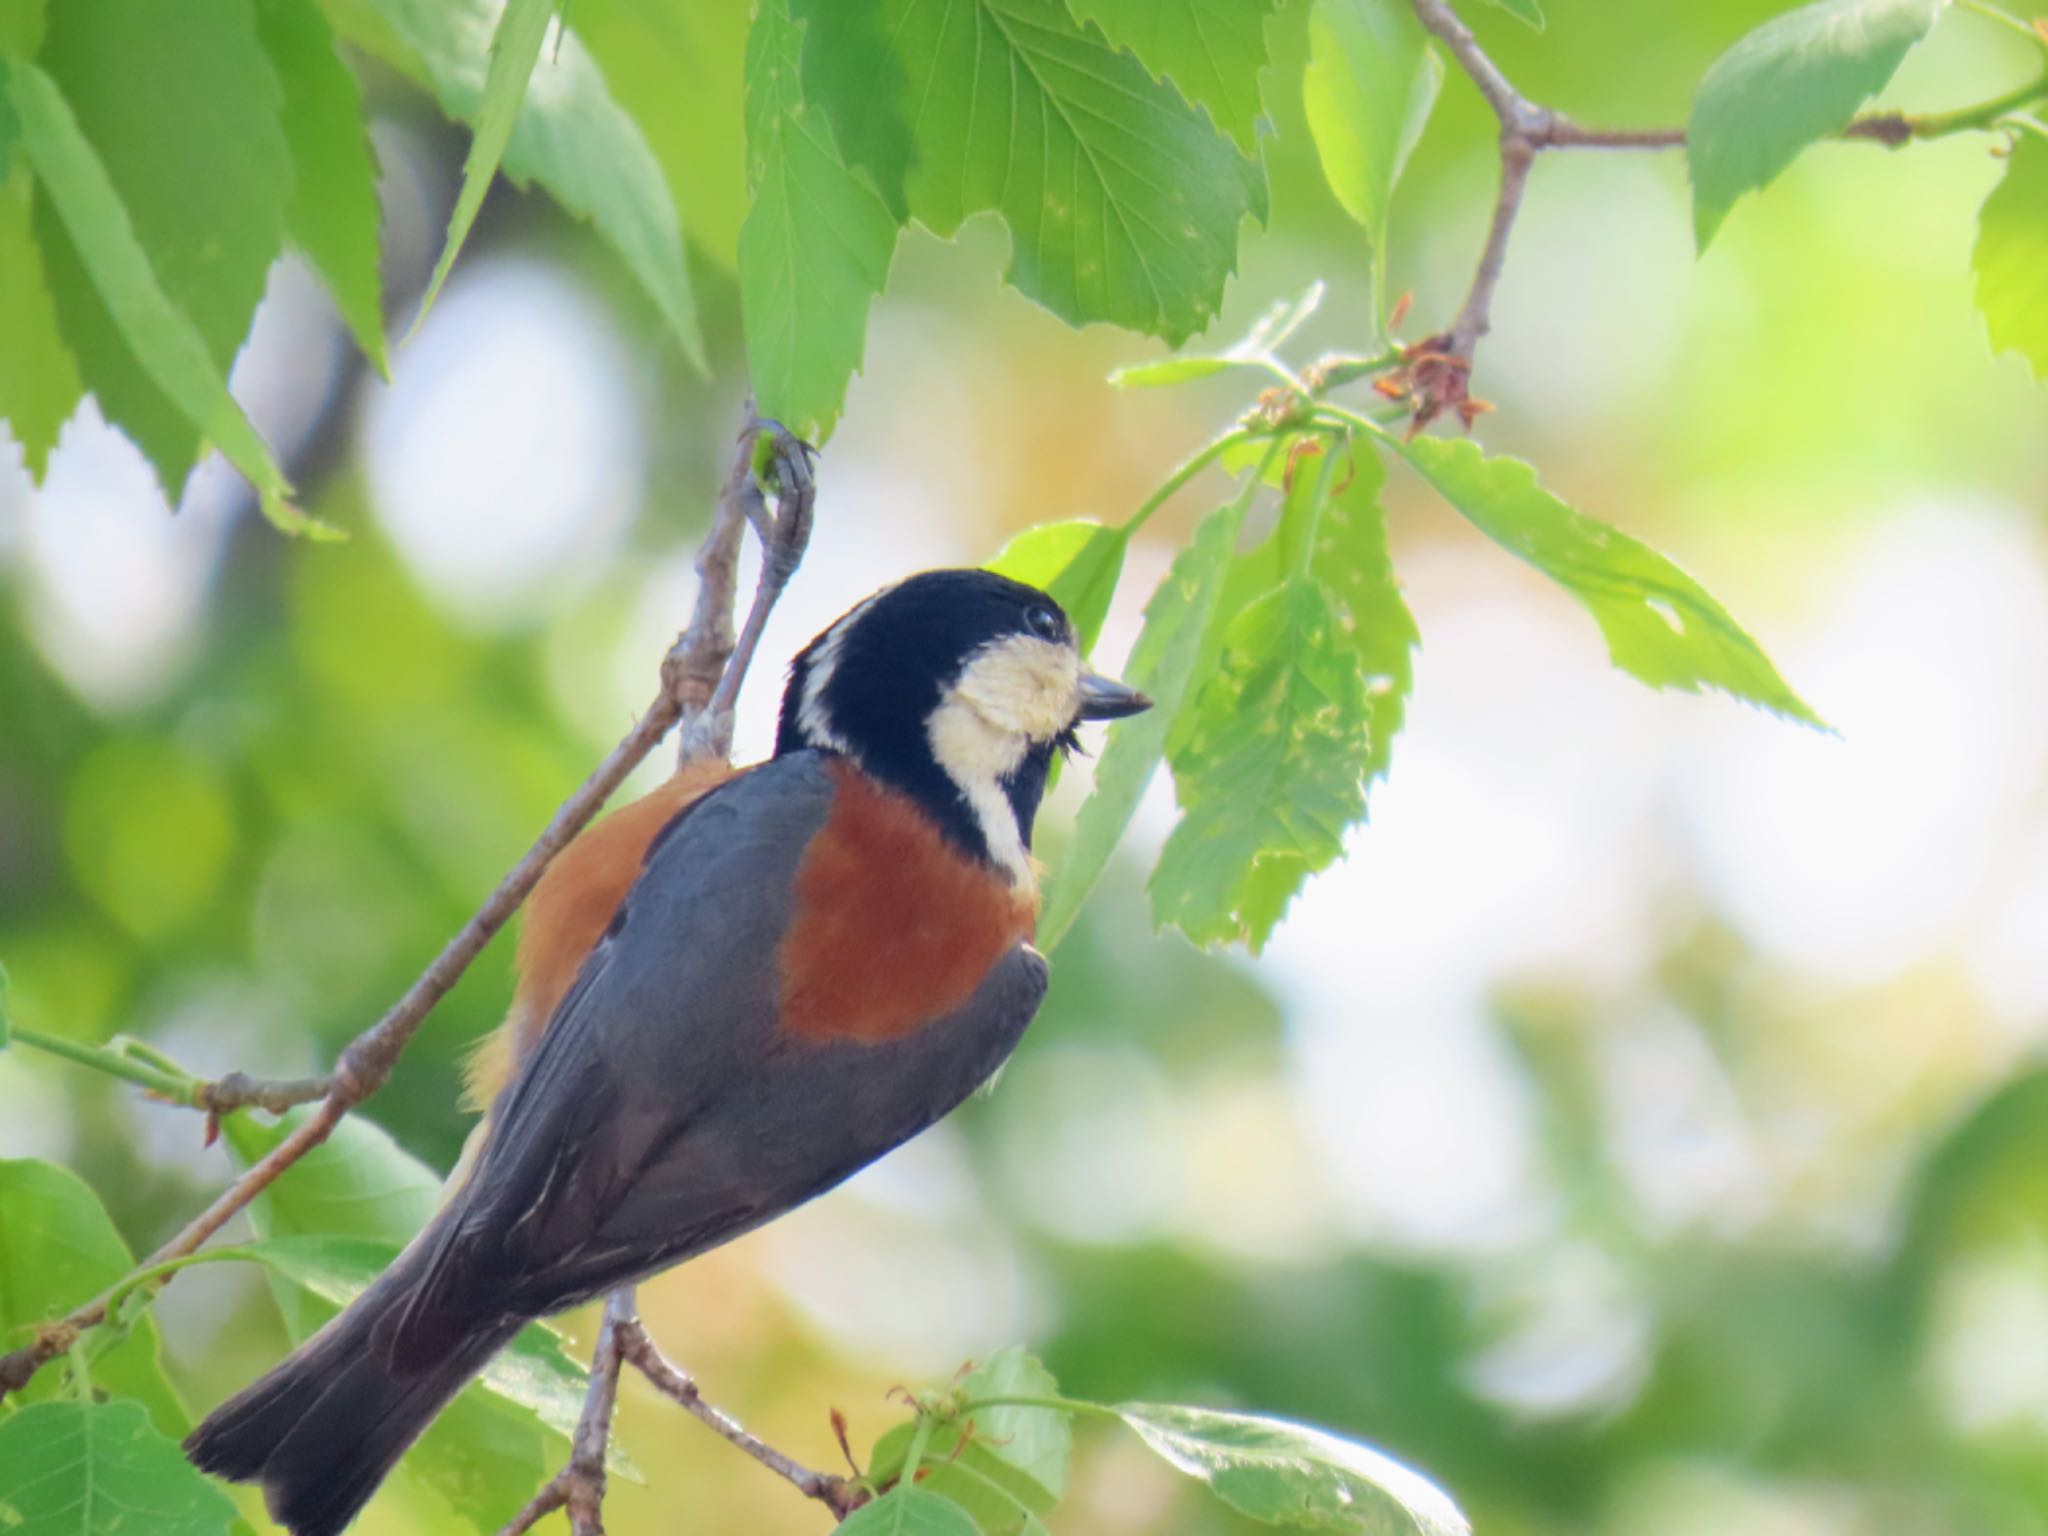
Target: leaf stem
point(1201, 460)
point(113, 1062)
point(2004, 18)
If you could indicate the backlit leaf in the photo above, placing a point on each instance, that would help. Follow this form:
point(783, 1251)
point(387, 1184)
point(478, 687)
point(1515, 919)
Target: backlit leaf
point(1797, 78)
point(515, 49)
point(909, 1511)
point(571, 137)
point(332, 215)
point(169, 348)
point(1212, 50)
point(1077, 562)
point(39, 383)
point(1162, 664)
point(1293, 1474)
point(644, 48)
point(1370, 83)
point(1123, 204)
point(101, 1469)
point(1528, 12)
point(178, 108)
point(1661, 626)
point(1268, 771)
point(2011, 257)
point(816, 246)
point(58, 1250)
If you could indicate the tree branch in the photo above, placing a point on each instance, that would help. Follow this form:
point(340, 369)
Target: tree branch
point(579, 1486)
point(835, 1493)
point(705, 650)
point(1434, 374)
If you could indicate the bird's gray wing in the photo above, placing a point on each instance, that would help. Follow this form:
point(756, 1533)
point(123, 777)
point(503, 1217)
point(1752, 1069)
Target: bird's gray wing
point(662, 1112)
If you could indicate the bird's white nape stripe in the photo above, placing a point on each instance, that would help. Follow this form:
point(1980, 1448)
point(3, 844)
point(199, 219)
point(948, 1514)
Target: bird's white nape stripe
point(812, 715)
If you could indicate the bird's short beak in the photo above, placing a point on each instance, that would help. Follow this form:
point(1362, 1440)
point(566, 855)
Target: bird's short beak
point(1104, 698)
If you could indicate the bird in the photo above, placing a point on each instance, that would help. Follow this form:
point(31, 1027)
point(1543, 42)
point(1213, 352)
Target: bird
point(732, 994)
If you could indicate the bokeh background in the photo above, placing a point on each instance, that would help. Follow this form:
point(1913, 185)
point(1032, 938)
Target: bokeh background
point(1643, 1130)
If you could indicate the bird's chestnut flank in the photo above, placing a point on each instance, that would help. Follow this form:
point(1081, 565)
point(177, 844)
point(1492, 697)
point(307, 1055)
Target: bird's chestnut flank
point(732, 994)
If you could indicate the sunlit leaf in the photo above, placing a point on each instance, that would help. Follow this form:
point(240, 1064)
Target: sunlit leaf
point(1268, 771)
point(39, 383)
point(1797, 78)
point(101, 1469)
point(2011, 257)
point(1357, 574)
point(699, 135)
point(1212, 50)
point(909, 1511)
point(1528, 12)
point(1371, 81)
point(171, 351)
point(571, 136)
point(1036, 1442)
point(1123, 204)
point(332, 215)
point(515, 49)
point(1292, 1474)
point(1162, 664)
point(58, 1250)
point(1661, 625)
point(1077, 562)
point(816, 246)
point(971, 1470)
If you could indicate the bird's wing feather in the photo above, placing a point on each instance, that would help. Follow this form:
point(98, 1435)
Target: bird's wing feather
point(662, 1111)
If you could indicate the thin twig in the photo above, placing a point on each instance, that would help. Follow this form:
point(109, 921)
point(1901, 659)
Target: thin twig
point(579, 1487)
point(1435, 375)
point(835, 1493)
point(366, 1063)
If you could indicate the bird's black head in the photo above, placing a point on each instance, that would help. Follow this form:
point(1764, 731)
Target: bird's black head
point(955, 687)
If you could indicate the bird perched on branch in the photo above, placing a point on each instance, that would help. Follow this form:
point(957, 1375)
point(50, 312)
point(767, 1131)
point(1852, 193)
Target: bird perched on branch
point(733, 994)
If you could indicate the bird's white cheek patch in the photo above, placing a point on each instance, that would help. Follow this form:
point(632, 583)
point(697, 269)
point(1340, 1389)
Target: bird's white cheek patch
point(977, 756)
point(1024, 685)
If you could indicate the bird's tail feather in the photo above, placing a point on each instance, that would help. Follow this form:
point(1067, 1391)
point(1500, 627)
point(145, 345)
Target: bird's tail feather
point(323, 1428)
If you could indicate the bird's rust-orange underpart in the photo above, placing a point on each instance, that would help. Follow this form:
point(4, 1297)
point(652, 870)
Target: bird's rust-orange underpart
point(894, 926)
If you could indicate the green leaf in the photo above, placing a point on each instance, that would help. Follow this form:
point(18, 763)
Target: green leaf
point(6, 1019)
point(1269, 775)
point(644, 48)
point(1371, 81)
point(1527, 12)
point(2011, 256)
point(969, 1470)
point(909, 1512)
point(332, 214)
point(1162, 664)
point(515, 49)
point(1212, 50)
point(1661, 626)
point(1357, 575)
point(39, 383)
point(156, 137)
point(1077, 562)
point(1291, 1474)
point(571, 137)
point(1034, 1441)
point(91, 1469)
point(1797, 78)
point(484, 1455)
point(58, 1250)
point(1123, 204)
point(816, 246)
point(170, 350)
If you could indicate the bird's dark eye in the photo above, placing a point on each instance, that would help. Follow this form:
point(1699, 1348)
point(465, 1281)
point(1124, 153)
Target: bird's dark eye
point(1043, 622)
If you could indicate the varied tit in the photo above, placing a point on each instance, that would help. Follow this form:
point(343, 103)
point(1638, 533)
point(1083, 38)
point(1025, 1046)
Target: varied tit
point(733, 994)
